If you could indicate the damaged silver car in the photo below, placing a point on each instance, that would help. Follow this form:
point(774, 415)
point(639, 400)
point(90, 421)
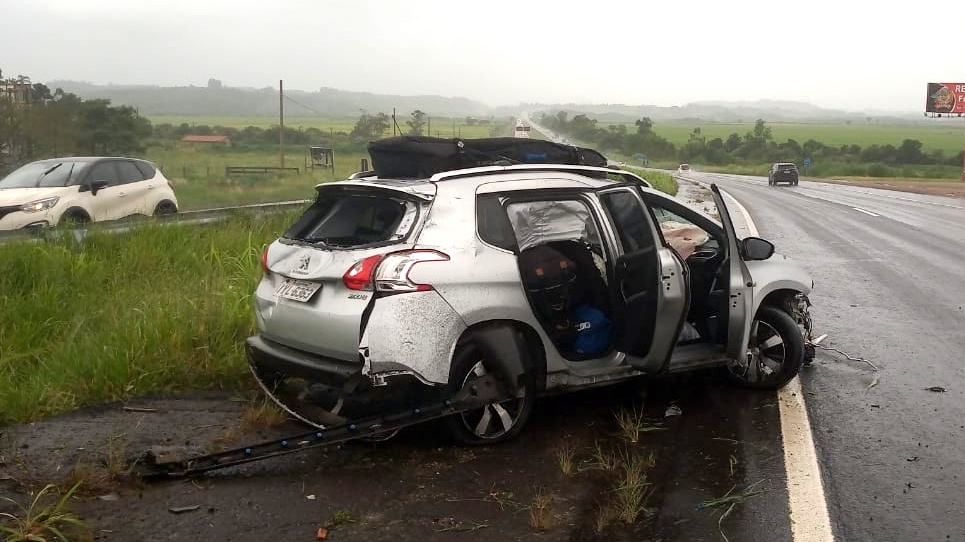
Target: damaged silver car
point(555, 278)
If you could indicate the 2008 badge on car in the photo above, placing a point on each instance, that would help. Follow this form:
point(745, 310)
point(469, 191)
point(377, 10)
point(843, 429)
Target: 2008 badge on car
point(297, 290)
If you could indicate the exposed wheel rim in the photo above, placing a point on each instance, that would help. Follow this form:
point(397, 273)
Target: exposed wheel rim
point(766, 352)
point(495, 419)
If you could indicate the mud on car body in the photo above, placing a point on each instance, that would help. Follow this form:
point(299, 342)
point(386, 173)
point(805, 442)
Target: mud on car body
point(553, 278)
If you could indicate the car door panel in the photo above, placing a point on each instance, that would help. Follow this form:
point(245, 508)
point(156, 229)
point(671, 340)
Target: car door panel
point(135, 190)
point(104, 204)
point(636, 281)
point(650, 286)
point(740, 286)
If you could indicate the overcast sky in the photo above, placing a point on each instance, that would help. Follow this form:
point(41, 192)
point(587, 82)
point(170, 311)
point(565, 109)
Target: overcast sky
point(855, 55)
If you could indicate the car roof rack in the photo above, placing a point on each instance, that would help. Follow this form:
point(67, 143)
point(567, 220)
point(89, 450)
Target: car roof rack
point(564, 168)
point(627, 176)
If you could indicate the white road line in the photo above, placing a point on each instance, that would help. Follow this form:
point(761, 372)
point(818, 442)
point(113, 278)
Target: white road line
point(810, 521)
point(878, 194)
point(860, 210)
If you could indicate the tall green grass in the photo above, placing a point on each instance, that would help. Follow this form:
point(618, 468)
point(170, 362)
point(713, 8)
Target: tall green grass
point(660, 180)
point(158, 309)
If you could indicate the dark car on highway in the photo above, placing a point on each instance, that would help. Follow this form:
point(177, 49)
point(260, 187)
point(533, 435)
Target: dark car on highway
point(782, 172)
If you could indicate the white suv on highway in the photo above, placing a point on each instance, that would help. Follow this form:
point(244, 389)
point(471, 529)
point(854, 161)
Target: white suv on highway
point(49, 192)
point(391, 290)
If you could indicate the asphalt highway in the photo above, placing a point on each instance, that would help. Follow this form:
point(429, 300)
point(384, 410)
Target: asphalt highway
point(889, 269)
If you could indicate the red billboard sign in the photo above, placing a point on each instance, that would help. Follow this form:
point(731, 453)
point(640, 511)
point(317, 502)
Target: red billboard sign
point(945, 98)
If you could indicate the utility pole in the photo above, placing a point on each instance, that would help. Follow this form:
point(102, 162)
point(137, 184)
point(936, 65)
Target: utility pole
point(281, 116)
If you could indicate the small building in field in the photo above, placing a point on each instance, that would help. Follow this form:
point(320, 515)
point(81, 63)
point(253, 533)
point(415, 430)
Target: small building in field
point(210, 139)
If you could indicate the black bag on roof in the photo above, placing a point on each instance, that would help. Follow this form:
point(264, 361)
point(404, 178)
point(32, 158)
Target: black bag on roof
point(422, 156)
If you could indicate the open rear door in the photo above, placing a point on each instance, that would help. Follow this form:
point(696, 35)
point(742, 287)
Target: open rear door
point(740, 286)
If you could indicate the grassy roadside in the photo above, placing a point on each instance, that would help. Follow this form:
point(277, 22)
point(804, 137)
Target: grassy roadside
point(154, 310)
point(660, 180)
point(200, 182)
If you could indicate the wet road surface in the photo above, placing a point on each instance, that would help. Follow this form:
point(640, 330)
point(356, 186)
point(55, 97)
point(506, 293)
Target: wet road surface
point(889, 269)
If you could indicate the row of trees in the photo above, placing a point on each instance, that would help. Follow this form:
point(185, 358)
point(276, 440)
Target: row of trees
point(367, 128)
point(756, 146)
point(371, 127)
point(36, 122)
point(759, 145)
point(641, 140)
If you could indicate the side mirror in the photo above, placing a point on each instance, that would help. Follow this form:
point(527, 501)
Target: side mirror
point(97, 185)
point(755, 248)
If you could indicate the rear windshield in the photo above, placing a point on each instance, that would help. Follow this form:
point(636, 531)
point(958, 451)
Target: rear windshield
point(349, 220)
point(787, 166)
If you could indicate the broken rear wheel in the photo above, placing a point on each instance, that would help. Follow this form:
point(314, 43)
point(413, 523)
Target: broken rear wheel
point(495, 422)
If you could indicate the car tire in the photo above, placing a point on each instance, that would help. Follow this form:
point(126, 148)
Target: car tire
point(496, 422)
point(776, 346)
point(73, 218)
point(165, 208)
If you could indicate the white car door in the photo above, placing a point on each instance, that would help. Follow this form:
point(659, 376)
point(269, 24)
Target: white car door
point(136, 188)
point(109, 196)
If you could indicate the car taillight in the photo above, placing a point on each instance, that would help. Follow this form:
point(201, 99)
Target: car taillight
point(359, 276)
point(264, 261)
point(392, 274)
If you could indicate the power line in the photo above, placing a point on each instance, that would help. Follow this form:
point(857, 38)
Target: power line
point(319, 113)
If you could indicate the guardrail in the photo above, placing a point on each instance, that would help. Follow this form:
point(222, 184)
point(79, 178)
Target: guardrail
point(228, 170)
point(201, 216)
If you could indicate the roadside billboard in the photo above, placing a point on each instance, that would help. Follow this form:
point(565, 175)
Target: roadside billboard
point(945, 98)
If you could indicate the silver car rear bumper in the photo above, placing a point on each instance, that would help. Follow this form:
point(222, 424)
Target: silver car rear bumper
point(269, 356)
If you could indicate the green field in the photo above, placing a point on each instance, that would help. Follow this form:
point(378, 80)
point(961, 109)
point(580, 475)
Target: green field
point(945, 136)
point(157, 309)
point(198, 174)
point(198, 170)
point(440, 126)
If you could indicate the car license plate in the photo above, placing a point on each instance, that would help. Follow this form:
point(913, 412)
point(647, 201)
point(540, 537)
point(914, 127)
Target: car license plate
point(297, 290)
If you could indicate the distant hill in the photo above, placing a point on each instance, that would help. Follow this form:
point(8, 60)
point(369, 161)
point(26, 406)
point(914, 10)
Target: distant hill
point(769, 110)
point(218, 100)
point(240, 101)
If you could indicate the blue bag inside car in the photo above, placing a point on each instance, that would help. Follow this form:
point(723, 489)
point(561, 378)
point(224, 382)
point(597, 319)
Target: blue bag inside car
point(593, 330)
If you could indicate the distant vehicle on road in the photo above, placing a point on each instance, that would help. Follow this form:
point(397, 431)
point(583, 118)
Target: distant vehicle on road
point(783, 172)
point(522, 129)
point(683, 168)
point(49, 192)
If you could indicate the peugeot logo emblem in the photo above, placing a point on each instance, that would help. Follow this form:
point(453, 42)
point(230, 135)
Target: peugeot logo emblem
point(303, 263)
